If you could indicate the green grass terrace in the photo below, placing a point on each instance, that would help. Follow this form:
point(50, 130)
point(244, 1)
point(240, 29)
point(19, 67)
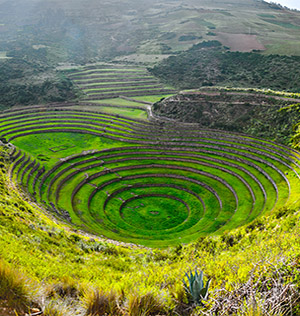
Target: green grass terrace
point(111, 81)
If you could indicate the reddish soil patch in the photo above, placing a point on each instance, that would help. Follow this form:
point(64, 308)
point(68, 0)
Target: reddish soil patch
point(240, 42)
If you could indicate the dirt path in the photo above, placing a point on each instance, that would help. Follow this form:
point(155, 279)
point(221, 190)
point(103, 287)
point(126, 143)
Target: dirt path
point(241, 93)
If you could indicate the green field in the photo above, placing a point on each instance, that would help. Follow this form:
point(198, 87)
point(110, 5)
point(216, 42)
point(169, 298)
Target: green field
point(119, 101)
point(132, 113)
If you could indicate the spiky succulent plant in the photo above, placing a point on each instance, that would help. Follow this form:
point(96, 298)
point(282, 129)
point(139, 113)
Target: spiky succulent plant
point(195, 289)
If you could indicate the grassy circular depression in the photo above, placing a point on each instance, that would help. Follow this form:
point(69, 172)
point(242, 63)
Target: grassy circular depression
point(146, 182)
point(154, 212)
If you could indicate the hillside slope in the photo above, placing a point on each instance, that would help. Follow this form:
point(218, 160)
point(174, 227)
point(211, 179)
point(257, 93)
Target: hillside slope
point(260, 113)
point(84, 30)
point(210, 64)
point(254, 267)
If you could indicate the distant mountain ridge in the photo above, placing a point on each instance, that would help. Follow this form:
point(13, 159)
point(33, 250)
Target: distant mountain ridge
point(81, 31)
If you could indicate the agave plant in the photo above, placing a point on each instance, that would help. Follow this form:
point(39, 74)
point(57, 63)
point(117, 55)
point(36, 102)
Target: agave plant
point(195, 289)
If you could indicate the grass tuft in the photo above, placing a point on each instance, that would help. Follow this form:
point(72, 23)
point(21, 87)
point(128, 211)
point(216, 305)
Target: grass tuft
point(145, 305)
point(67, 288)
point(52, 308)
point(15, 288)
point(98, 303)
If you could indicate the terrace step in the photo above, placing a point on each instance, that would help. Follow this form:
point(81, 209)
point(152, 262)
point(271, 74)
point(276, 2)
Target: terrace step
point(151, 83)
point(102, 96)
point(114, 79)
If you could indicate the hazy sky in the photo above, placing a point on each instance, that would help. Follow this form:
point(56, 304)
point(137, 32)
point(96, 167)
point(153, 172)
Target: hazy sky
point(293, 4)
